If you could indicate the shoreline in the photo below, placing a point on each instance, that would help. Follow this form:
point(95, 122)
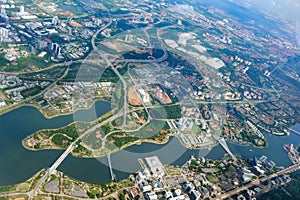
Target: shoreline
point(137, 142)
point(47, 116)
point(107, 114)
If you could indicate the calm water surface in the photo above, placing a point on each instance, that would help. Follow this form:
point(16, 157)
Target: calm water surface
point(19, 164)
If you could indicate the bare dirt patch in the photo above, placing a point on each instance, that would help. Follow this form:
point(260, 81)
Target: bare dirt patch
point(133, 97)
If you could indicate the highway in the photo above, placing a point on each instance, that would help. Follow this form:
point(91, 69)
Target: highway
point(37, 187)
point(61, 159)
point(51, 170)
point(68, 63)
point(87, 61)
point(39, 94)
point(257, 181)
point(109, 64)
point(70, 148)
point(123, 111)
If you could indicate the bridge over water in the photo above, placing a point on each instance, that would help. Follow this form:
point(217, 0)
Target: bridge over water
point(60, 159)
point(113, 176)
point(223, 143)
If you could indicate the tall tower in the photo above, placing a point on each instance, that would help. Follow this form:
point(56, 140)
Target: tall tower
point(3, 12)
point(55, 21)
point(59, 52)
point(56, 49)
point(22, 10)
point(3, 34)
point(51, 46)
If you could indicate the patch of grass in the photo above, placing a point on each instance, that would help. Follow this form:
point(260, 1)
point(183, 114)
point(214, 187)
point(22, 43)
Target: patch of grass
point(8, 188)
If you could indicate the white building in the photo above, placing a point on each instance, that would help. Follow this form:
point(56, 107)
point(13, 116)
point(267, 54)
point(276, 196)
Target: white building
point(2, 103)
point(3, 12)
point(147, 188)
point(55, 21)
point(145, 96)
point(3, 34)
point(152, 196)
point(156, 167)
point(22, 10)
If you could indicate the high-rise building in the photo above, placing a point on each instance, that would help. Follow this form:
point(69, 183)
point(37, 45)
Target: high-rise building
point(56, 50)
point(3, 34)
point(51, 46)
point(55, 21)
point(3, 12)
point(42, 44)
point(59, 52)
point(22, 10)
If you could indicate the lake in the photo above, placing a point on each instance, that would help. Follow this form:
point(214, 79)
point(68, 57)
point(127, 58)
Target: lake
point(18, 164)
